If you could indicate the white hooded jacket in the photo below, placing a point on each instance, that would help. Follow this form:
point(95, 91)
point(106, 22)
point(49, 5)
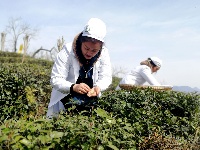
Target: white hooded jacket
point(65, 72)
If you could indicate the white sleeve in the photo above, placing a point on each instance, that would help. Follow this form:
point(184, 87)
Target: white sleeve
point(60, 71)
point(105, 71)
point(147, 75)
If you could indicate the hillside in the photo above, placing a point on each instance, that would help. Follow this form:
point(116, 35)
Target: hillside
point(137, 119)
point(27, 84)
point(185, 89)
point(12, 57)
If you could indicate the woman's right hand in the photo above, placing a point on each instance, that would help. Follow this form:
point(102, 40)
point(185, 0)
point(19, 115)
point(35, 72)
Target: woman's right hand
point(81, 88)
point(94, 92)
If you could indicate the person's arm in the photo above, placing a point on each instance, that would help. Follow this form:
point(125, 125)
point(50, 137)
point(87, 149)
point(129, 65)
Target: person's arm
point(147, 75)
point(60, 71)
point(105, 71)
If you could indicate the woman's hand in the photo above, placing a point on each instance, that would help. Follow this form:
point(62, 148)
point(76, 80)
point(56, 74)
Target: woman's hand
point(81, 88)
point(94, 92)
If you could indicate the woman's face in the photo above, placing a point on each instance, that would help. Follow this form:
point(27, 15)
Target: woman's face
point(155, 69)
point(90, 49)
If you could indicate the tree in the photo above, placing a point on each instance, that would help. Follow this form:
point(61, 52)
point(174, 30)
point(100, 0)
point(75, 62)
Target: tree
point(117, 74)
point(118, 71)
point(53, 51)
point(3, 36)
point(17, 28)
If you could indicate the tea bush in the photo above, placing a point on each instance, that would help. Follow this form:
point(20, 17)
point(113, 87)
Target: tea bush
point(101, 130)
point(134, 119)
point(148, 109)
point(25, 87)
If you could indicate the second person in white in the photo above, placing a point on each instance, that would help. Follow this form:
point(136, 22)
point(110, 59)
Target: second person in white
point(143, 73)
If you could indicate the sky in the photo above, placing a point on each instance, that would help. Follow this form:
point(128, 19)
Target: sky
point(136, 30)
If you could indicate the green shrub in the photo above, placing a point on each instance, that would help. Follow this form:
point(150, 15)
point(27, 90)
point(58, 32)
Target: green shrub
point(115, 82)
point(25, 88)
point(101, 130)
point(135, 119)
point(148, 109)
point(9, 54)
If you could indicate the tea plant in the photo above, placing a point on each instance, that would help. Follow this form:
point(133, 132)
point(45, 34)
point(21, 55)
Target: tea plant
point(134, 119)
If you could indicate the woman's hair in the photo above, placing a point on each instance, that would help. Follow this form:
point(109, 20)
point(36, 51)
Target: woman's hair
point(79, 39)
point(89, 39)
point(82, 39)
point(151, 62)
point(148, 63)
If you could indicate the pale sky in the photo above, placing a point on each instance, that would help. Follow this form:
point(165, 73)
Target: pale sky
point(136, 30)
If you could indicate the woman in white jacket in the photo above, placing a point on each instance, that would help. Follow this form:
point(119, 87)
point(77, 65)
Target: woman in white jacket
point(143, 73)
point(81, 70)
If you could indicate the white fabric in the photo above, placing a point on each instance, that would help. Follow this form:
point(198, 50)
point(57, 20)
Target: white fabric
point(157, 61)
point(139, 76)
point(65, 72)
point(95, 28)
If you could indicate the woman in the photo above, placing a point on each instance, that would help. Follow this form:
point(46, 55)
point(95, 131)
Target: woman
point(82, 69)
point(143, 73)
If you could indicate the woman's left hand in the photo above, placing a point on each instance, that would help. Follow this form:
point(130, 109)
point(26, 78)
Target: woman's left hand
point(93, 92)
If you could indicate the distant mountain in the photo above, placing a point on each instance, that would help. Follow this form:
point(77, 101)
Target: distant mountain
point(185, 89)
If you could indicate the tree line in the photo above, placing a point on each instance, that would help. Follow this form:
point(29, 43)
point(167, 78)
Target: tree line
point(19, 30)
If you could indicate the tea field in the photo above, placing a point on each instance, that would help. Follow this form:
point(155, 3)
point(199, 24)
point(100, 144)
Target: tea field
point(136, 119)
